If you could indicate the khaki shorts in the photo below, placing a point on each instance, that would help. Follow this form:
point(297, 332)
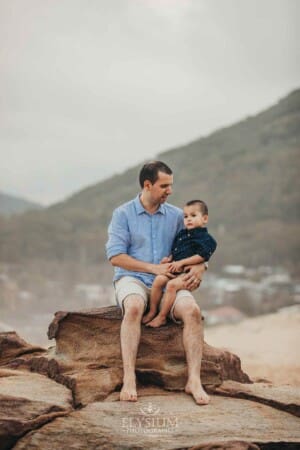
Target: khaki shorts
point(129, 285)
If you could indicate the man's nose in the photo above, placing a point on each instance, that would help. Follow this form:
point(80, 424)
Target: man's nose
point(169, 190)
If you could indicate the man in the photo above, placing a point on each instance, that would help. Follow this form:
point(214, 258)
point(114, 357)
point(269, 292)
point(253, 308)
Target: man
point(141, 233)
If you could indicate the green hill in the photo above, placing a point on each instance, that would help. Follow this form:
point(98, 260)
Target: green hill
point(248, 173)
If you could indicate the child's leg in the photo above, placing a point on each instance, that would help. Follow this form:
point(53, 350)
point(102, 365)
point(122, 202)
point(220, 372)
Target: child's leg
point(172, 287)
point(155, 296)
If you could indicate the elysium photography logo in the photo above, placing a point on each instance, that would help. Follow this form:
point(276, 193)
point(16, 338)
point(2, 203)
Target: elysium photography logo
point(149, 420)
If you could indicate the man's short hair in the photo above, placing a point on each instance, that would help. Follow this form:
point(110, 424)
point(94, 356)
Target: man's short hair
point(202, 205)
point(150, 171)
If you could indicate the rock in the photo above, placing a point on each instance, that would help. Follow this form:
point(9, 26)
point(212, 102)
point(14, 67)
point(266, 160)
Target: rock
point(155, 422)
point(88, 356)
point(286, 398)
point(28, 401)
point(12, 346)
point(226, 445)
point(86, 363)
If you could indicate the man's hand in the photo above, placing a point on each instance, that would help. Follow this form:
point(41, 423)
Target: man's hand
point(162, 269)
point(176, 266)
point(194, 275)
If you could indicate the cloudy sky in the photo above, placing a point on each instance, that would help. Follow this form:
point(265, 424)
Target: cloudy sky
point(89, 88)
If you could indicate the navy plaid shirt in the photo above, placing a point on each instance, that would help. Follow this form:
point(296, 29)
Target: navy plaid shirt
point(197, 241)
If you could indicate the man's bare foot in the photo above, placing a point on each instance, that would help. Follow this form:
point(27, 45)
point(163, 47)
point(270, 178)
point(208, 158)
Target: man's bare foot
point(149, 316)
point(196, 390)
point(128, 392)
point(157, 322)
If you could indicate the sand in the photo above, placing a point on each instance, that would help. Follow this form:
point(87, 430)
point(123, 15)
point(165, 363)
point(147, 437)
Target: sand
point(267, 345)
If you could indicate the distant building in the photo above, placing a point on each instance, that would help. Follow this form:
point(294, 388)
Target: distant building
point(222, 315)
point(235, 270)
point(278, 279)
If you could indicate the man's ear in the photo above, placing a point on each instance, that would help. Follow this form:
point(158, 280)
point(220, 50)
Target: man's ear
point(205, 218)
point(147, 184)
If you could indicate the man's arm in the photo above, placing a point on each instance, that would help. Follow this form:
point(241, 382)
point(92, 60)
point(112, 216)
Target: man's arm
point(119, 239)
point(129, 263)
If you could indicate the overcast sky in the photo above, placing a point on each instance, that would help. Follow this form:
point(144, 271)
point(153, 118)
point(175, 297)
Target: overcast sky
point(89, 88)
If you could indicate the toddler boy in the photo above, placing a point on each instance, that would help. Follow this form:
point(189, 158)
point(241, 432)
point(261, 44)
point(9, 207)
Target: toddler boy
point(192, 245)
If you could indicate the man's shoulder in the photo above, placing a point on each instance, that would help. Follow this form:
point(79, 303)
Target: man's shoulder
point(171, 209)
point(124, 207)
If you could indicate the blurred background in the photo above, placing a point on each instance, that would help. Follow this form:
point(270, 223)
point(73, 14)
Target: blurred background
point(91, 90)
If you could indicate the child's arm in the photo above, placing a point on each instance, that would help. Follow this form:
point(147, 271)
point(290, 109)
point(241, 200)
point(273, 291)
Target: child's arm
point(177, 266)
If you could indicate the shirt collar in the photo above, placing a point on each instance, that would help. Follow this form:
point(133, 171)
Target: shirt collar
point(198, 229)
point(140, 209)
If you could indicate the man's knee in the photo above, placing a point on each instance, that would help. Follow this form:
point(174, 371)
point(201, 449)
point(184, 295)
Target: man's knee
point(193, 312)
point(133, 307)
point(189, 311)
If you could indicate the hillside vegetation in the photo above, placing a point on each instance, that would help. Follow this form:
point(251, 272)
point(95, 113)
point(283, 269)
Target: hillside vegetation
point(248, 174)
point(9, 205)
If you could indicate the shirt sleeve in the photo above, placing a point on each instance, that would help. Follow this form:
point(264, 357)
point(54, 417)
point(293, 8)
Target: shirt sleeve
point(205, 247)
point(118, 235)
point(180, 224)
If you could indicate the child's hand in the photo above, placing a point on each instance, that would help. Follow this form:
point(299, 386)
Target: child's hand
point(176, 266)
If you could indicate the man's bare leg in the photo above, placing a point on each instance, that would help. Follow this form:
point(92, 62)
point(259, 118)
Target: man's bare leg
point(171, 288)
point(156, 294)
point(130, 338)
point(188, 311)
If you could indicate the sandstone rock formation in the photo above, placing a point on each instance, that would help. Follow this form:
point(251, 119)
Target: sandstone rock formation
point(28, 401)
point(72, 401)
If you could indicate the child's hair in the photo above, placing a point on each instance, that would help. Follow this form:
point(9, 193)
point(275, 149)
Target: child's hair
point(202, 205)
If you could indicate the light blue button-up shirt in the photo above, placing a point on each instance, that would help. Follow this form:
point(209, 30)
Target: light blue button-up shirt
point(144, 236)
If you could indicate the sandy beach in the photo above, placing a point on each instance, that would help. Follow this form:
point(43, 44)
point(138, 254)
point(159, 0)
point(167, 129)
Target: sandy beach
point(267, 345)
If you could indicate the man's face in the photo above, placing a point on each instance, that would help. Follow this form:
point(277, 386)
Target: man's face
point(193, 217)
point(161, 189)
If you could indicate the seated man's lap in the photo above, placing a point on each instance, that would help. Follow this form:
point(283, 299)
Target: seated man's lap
point(131, 286)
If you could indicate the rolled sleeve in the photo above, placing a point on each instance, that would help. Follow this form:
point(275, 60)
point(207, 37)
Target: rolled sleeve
point(118, 235)
point(206, 247)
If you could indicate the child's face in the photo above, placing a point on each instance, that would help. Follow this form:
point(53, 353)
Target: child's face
point(193, 217)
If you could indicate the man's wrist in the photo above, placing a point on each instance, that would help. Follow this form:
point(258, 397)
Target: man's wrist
point(151, 268)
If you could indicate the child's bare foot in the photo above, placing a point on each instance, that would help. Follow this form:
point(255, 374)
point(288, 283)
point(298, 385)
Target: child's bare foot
point(149, 316)
point(157, 322)
point(195, 388)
